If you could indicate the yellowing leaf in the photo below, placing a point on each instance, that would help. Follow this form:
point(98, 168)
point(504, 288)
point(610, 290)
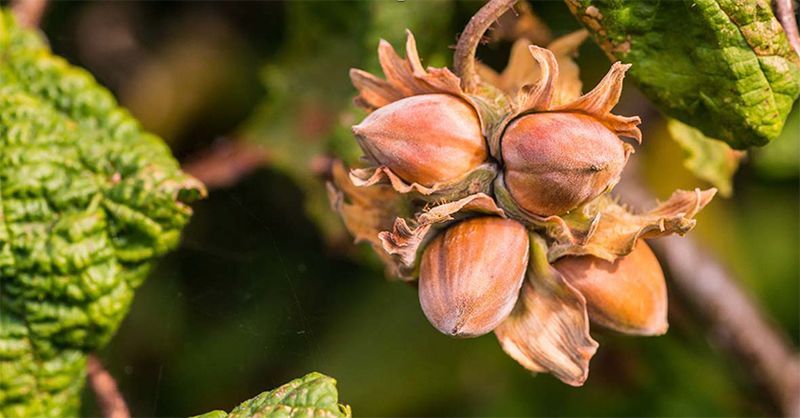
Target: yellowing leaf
point(707, 158)
point(723, 66)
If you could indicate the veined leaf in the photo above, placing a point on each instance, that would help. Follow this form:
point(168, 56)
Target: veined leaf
point(313, 395)
point(87, 201)
point(723, 66)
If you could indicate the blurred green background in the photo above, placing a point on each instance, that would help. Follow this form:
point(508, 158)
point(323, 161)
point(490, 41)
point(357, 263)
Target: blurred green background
point(266, 287)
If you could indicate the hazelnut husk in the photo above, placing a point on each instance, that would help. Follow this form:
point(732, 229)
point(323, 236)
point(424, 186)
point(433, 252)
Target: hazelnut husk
point(554, 162)
point(426, 139)
point(471, 274)
point(628, 295)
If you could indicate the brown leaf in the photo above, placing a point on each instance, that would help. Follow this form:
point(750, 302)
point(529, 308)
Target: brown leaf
point(366, 211)
point(537, 97)
point(403, 241)
point(404, 78)
point(520, 22)
point(602, 99)
point(548, 331)
point(475, 181)
point(373, 92)
point(568, 84)
point(618, 229)
point(521, 70)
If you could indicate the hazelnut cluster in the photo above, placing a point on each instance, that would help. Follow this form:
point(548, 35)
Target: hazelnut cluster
point(497, 202)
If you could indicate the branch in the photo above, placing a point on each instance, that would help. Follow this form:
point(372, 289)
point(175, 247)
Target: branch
point(225, 162)
point(785, 11)
point(105, 388)
point(28, 12)
point(464, 57)
point(736, 321)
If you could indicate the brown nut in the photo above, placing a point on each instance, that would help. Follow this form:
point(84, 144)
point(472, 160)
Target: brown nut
point(628, 295)
point(425, 139)
point(471, 274)
point(554, 162)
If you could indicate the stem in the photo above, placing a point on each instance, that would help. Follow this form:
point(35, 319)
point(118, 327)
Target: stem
point(736, 322)
point(28, 12)
point(226, 162)
point(464, 57)
point(784, 10)
point(105, 388)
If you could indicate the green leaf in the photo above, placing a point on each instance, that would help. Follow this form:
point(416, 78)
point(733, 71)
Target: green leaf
point(313, 395)
point(707, 158)
point(213, 414)
point(723, 66)
point(88, 200)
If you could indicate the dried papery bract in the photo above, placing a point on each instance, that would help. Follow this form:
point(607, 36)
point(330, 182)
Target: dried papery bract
point(628, 295)
point(522, 70)
point(471, 274)
point(407, 237)
point(365, 211)
point(618, 229)
point(426, 139)
point(548, 331)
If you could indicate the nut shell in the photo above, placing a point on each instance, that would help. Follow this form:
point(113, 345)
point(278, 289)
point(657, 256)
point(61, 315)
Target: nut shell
point(628, 295)
point(471, 274)
point(426, 139)
point(555, 162)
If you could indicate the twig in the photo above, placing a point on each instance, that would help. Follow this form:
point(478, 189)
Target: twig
point(464, 56)
point(226, 162)
point(784, 10)
point(105, 388)
point(736, 321)
point(28, 12)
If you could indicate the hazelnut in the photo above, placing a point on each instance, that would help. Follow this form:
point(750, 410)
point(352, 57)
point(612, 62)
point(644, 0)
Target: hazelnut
point(554, 162)
point(471, 274)
point(628, 295)
point(426, 139)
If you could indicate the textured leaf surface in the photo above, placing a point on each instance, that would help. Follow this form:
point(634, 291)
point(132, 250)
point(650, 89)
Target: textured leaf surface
point(87, 201)
point(723, 66)
point(707, 158)
point(313, 395)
